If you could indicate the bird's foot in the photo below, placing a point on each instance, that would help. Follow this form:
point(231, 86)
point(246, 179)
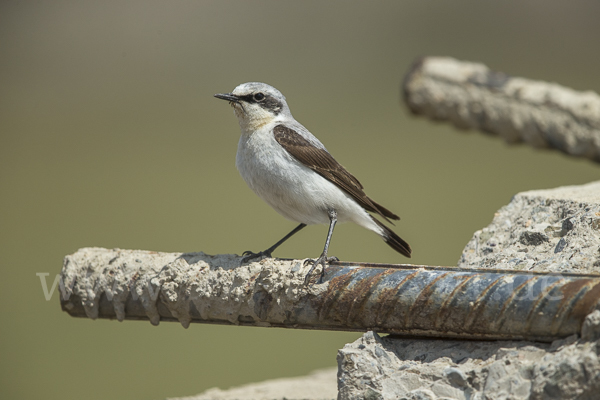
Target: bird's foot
point(249, 255)
point(321, 260)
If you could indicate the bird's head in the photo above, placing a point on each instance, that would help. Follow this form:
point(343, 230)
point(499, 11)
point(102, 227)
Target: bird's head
point(256, 104)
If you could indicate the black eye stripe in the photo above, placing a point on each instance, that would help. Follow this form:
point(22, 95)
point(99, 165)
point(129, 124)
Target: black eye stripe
point(249, 98)
point(254, 98)
point(268, 103)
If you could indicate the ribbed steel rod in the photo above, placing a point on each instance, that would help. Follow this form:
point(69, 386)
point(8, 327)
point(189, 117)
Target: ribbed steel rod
point(398, 299)
point(471, 96)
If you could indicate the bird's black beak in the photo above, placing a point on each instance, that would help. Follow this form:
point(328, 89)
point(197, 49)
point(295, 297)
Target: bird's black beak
point(228, 97)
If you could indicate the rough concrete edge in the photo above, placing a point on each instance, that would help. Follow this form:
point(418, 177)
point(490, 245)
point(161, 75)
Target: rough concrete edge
point(402, 368)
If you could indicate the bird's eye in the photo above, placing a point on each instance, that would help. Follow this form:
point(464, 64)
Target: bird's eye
point(259, 96)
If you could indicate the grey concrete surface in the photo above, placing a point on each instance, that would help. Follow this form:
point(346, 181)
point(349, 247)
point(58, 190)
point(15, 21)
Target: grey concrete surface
point(557, 231)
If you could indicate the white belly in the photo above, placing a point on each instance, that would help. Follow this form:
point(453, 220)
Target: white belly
point(293, 190)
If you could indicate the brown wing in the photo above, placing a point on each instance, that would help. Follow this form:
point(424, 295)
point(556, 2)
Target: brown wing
point(324, 164)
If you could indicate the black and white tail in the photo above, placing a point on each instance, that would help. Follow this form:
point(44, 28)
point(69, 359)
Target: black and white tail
point(393, 240)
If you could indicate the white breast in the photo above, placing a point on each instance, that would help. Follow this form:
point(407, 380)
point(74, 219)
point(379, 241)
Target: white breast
point(292, 189)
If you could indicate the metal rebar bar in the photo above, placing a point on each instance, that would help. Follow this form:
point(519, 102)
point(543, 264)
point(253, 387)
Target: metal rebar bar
point(471, 96)
point(398, 299)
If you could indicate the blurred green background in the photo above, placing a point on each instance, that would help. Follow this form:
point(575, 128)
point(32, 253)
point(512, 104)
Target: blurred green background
point(110, 136)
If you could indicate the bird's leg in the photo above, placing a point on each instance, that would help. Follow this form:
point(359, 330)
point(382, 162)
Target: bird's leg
point(323, 258)
point(248, 255)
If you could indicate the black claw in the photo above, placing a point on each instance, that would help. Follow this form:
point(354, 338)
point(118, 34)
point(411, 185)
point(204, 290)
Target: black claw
point(321, 260)
point(249, 255)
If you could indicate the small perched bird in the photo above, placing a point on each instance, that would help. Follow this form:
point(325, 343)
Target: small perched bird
point(291, 170)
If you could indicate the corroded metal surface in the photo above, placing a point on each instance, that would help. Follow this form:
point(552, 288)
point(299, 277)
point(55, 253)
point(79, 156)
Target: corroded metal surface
point(454, 302)
point(397, 299)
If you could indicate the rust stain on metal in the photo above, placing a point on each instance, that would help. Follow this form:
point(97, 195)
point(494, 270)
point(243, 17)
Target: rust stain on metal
point(588, 303)
point(360, 294)
point(579, 298)
point(421, 302)
point(389, 299)
point(444, 313)
point(542, 299)
point(323, 304)
point(571, 291)
point(498, 323)
point(347, 294)
point(479, 305)
point(573, 287)
point(386, 296)
point(357, 289)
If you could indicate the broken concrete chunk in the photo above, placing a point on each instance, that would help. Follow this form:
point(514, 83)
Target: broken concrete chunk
point(556, 230)
point(448, 369)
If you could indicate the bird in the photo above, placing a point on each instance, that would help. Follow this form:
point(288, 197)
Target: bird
point(292, 171)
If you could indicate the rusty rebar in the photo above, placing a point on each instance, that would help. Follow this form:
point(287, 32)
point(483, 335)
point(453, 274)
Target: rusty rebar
point(398, 299)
